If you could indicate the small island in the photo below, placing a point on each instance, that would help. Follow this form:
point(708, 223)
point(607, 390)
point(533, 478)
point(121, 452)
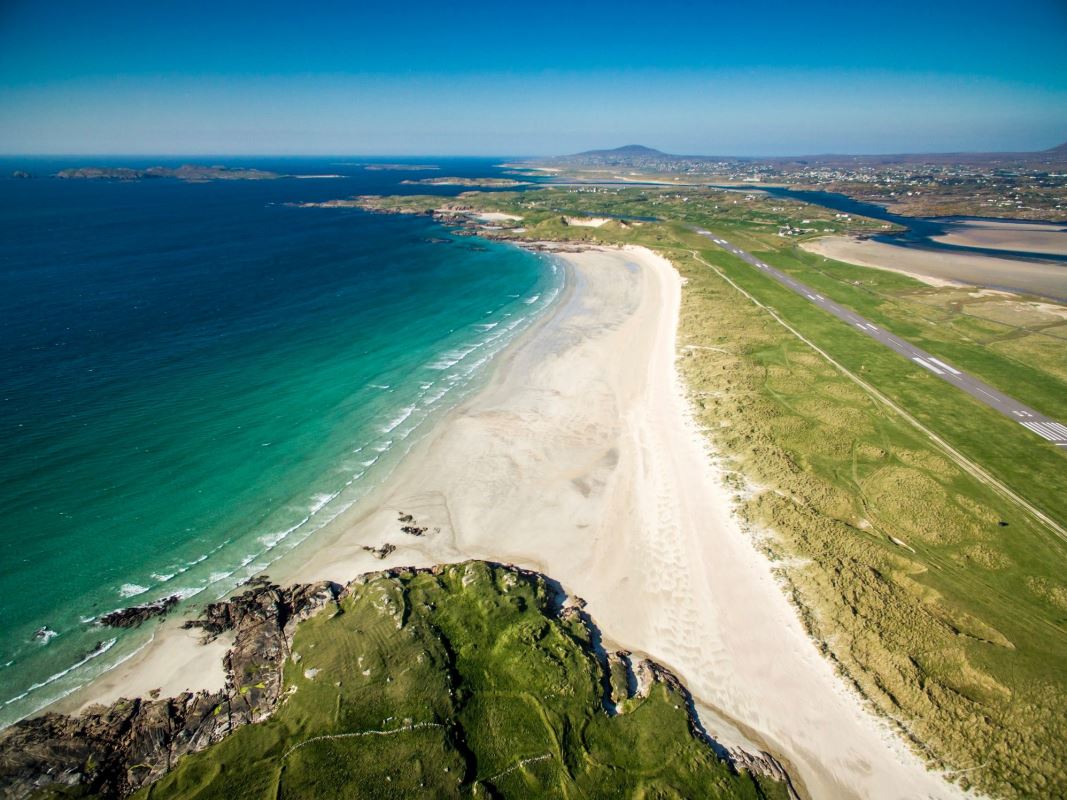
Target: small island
point(398, 167)
point(186, 172)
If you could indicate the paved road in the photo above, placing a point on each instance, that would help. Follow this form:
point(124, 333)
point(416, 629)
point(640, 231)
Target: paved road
point(1034, 421)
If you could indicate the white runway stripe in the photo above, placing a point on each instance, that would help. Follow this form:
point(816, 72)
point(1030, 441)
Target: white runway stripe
point(1058, 427)
point(946, 366)
point(1034, 427)
point(930, 367)
point(1048, 428)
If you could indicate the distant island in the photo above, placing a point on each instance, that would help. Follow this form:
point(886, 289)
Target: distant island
point(398, 167)
point(492, 183)
point(186, 172)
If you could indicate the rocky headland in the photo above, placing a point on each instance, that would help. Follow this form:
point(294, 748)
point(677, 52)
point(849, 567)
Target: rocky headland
point(114, 751)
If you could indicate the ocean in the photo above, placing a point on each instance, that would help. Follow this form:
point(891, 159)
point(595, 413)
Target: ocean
point(195, 377)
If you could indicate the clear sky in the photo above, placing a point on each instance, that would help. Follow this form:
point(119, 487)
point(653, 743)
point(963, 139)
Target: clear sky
point(744, 78)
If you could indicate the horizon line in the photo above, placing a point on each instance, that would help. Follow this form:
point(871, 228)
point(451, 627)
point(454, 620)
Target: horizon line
point(825, 154)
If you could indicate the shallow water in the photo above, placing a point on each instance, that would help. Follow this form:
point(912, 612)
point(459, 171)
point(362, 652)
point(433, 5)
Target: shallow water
point(196, 377)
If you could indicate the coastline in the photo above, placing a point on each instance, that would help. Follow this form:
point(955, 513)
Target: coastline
point(579, 458)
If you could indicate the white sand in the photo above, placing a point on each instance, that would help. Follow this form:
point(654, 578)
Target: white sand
point(586, 222)
point(946, 268)
point(579, 459)
point(496, 216)
point(174, 661)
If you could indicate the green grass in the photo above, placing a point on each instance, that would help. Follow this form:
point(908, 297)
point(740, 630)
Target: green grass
point(481, 690)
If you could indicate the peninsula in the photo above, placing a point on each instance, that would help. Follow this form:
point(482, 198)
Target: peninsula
point(485, 183)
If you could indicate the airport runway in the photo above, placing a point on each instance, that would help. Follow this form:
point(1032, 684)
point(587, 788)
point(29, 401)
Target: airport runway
point(1037, 423)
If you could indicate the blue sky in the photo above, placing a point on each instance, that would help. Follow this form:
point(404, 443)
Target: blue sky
point(752, 78)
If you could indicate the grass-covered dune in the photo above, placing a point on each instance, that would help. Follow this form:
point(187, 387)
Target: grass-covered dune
point(463, 681)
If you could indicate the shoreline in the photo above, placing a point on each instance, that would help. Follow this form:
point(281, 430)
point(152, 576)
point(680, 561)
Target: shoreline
point(579, 458)
point(588, 412)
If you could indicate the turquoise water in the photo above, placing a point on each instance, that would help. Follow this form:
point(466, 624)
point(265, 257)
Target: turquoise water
point(197, 377)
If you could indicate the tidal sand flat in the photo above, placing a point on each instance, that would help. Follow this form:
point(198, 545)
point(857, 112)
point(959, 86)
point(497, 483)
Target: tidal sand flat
point(943, 268)
point(1033, 237)
point(579, 459)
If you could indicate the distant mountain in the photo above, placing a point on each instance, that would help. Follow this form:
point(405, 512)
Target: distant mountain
point(626, 151)
point(639, 156)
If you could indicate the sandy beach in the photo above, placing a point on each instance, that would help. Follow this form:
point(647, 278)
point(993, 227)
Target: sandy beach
point(579, 458)
point(1044, 279)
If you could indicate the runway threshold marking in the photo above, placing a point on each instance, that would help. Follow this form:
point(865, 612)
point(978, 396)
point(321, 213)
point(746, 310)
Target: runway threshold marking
point(930, 367)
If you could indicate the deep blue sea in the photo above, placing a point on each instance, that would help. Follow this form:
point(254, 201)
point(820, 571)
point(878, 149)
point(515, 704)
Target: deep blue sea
point(195, 377)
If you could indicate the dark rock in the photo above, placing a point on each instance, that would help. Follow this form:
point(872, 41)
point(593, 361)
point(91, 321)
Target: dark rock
point(380, 552)
point(133, 616)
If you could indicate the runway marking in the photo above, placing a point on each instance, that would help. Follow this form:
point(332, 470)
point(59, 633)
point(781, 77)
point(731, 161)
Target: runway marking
point(953, 370)
point(1034, 427)
point(987, 394)
point(1044, 427)
point(930, 367)
point(1058, 426)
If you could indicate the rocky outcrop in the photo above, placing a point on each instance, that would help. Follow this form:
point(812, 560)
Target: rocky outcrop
point(380, 552)
point(649, 673)
point(114, 750)
point(133, 616)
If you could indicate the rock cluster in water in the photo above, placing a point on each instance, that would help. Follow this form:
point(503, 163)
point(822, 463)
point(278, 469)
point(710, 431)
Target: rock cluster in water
point(133, 616)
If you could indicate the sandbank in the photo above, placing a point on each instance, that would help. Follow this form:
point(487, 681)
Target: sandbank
point(1029, 237)
point(938, 268)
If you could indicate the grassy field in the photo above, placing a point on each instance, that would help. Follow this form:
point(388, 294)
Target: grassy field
point(465, 682)
point(942, 600)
